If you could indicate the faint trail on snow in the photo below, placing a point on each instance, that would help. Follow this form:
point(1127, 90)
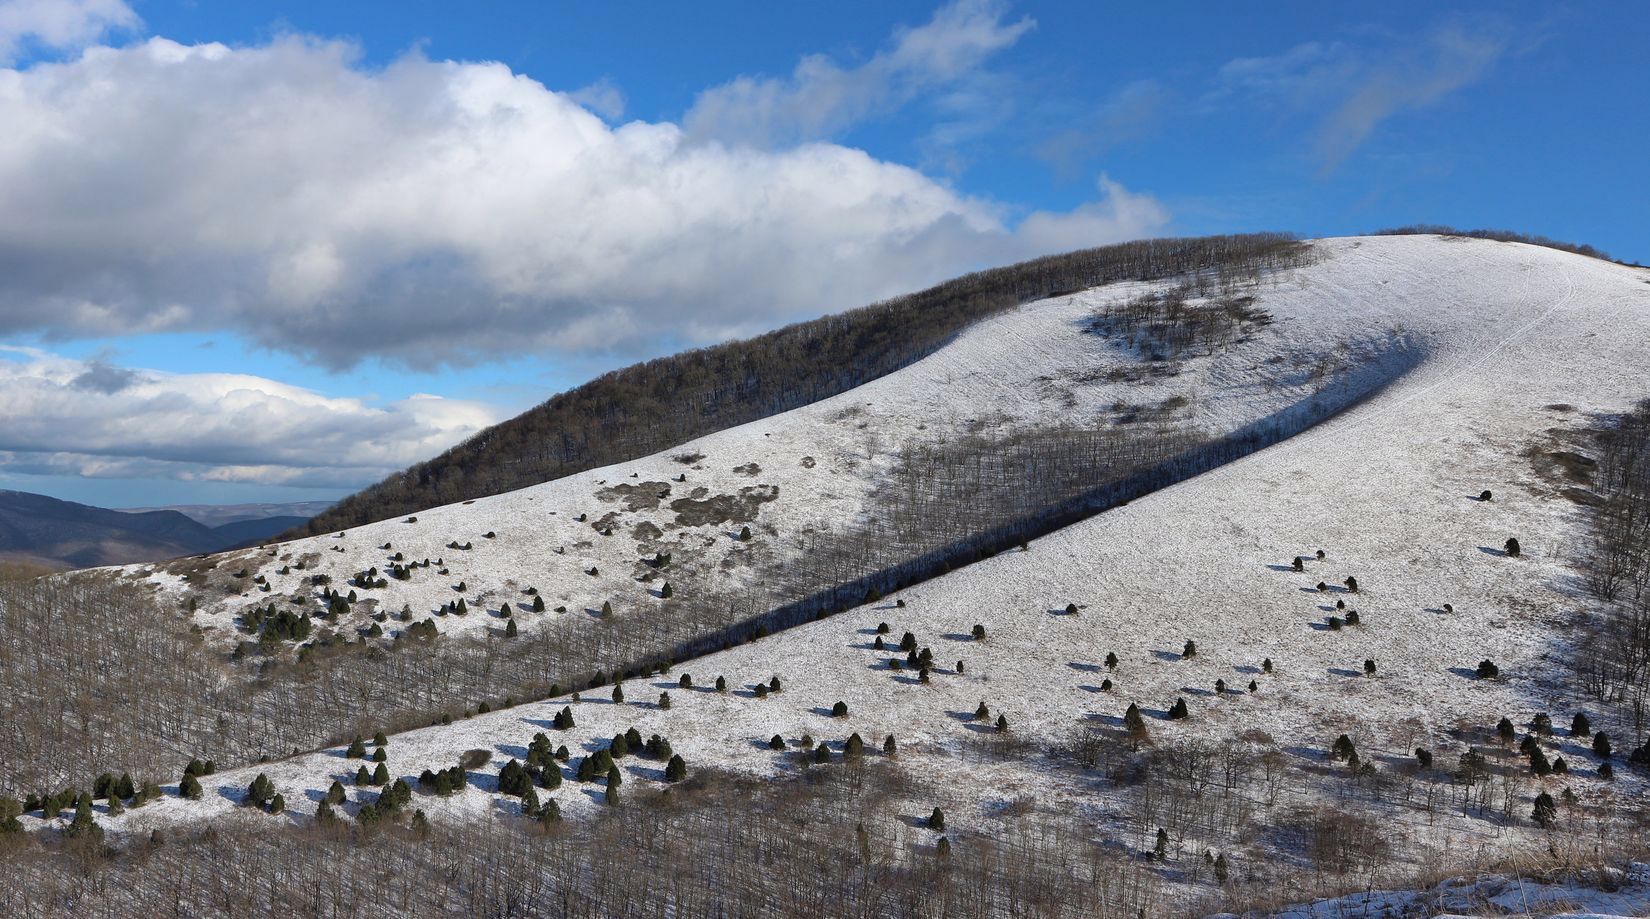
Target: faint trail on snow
point(1387, 412)
point(1450, 374)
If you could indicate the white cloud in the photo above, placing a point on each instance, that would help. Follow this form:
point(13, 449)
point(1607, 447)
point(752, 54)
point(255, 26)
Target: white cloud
point(602, 97)
point(433, 211)
point(92, 418)
point(1116, 207)
point(822, 98)
point(1447, 61)
point(1351, 89)
point(59, 24)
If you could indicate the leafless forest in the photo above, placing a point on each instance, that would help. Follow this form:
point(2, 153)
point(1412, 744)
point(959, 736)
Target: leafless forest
point(1615, 661)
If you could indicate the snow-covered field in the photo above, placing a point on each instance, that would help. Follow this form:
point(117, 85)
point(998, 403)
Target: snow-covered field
point(1486, 349)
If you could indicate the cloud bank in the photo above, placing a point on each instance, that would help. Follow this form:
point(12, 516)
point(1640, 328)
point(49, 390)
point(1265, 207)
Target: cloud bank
point(434, 212)
point(62, 416)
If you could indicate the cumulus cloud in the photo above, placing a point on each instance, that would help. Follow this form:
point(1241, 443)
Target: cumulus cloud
point(822, 98)
point(59, 24)
point(435, 212)
point(1352, 89)
point(64, 416)
point(602, 97)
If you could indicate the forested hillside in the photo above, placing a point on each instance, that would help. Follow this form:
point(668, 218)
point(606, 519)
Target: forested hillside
point(650, 406)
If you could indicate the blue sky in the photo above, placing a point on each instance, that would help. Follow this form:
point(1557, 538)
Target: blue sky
point(299, 245)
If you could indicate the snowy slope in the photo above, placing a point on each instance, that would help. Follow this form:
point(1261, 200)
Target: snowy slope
point(1486, 346)
point(1037, 366)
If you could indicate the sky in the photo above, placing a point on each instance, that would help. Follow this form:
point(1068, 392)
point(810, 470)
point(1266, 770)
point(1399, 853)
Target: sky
point(275, 251)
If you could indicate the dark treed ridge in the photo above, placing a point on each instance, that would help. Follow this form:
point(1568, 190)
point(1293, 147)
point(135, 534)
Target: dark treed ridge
point(648, 407)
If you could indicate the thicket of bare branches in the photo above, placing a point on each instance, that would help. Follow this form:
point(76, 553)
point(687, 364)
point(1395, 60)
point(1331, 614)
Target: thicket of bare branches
point(1615, 666)
point(834, 843)
point(653, 405)
point(91, 672)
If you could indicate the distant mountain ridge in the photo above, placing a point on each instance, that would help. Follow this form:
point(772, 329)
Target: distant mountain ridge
point(47, 530)
point(216, 515)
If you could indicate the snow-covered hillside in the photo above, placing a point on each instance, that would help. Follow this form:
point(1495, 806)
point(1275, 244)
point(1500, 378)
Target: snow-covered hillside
point(1483, 352)
point(580, 542)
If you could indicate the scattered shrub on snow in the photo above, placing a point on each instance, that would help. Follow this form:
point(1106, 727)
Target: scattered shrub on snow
point(1545, 811)
point(1135, 724)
